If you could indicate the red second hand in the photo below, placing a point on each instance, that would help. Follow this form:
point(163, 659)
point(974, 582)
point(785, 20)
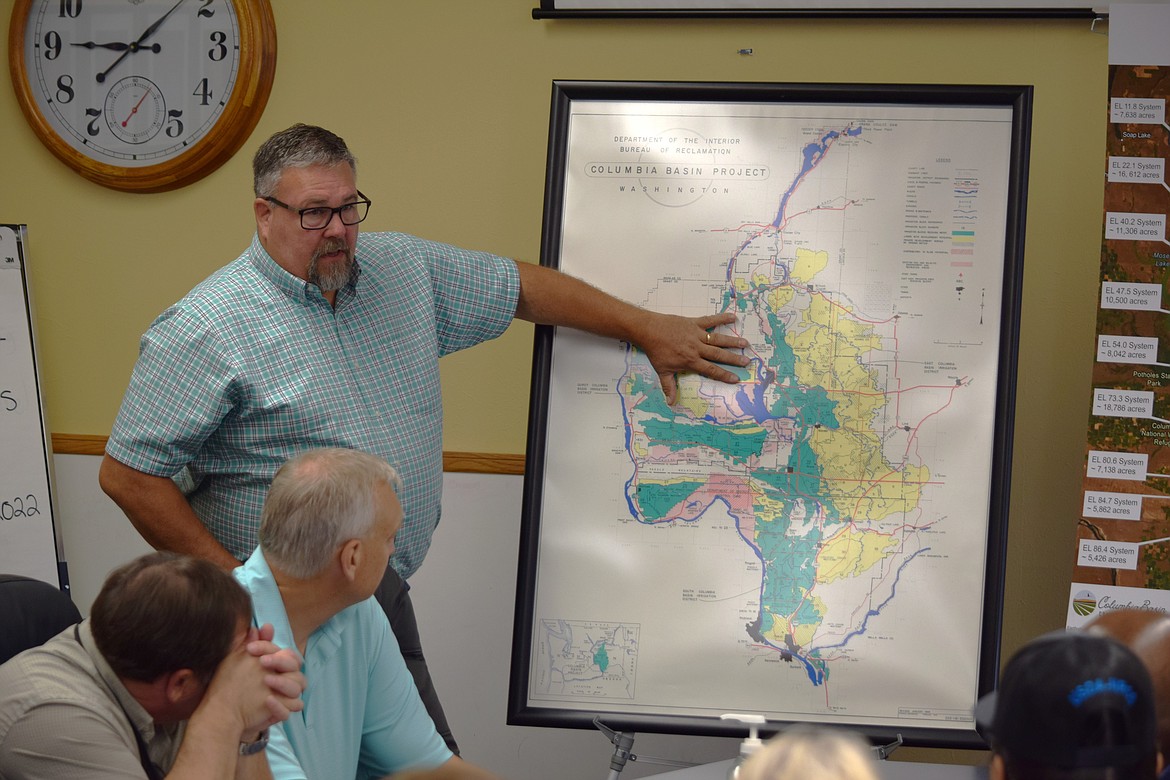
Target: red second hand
point(134, 110)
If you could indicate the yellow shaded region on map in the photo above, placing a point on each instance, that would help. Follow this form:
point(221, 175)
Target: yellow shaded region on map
point(808, 264)
point(863, 483)
point(767, 510)
point(852, 552)
point(690, 399)
point(802, 633)
point(833, 345)
point(780, 297)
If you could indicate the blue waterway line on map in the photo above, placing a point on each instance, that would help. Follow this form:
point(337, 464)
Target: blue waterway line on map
point(877, 610)
point(812, 155)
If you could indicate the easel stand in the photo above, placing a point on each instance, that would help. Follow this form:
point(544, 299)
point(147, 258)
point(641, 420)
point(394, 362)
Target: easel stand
point(622, 742)
point(883, 751)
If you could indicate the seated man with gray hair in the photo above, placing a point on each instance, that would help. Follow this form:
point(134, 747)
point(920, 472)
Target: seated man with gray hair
point(326, 535)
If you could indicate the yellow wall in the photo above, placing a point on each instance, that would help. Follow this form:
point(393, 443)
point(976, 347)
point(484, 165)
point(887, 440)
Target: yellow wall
point(446, 105)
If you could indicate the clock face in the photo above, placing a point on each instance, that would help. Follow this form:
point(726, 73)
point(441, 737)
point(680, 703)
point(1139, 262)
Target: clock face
point(143, 90)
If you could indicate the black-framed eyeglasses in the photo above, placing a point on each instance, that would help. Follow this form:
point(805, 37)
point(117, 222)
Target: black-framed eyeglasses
point(319, 217)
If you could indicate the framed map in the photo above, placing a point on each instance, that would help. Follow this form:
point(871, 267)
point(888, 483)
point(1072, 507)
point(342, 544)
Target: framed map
point(823, 541)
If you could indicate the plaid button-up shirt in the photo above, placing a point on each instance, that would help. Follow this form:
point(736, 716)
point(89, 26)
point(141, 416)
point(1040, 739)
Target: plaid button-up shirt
point(254, 366)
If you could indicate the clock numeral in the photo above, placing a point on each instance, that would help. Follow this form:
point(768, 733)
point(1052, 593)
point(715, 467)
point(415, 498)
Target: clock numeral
point(52, 45)
point(93, 127)
point(65, 92)
point(203, 92)
point(70, 9)
point(219, 50)
point(175, 125)
point(206, 12)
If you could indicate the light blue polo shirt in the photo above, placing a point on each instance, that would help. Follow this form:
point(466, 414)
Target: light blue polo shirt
point(362, 709)
point(254, 366)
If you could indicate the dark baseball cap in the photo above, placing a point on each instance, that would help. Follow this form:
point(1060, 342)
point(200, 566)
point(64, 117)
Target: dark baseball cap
point(1072, 700)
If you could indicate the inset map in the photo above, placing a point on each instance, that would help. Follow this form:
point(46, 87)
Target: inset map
point(587, 659)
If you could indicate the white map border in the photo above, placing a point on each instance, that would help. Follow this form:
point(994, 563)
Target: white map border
point(570, 556)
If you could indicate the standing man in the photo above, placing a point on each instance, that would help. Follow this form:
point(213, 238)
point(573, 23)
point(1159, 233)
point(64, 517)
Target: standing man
point(319, 337)
point(326, 535)
point(165, 678)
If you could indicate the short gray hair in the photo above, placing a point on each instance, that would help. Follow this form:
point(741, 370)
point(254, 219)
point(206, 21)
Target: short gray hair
point(297, 147)
point(319, 500)
point(806, 752)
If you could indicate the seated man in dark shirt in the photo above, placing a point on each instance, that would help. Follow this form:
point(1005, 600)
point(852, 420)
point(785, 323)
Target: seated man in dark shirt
point(166, 678)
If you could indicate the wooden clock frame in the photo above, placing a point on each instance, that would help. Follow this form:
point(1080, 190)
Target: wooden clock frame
point(233, 126)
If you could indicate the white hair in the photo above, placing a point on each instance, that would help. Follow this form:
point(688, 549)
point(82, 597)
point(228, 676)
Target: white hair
point(318, 501)
point(812, 753)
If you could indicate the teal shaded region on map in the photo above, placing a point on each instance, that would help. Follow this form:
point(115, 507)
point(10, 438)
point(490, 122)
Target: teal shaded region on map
point(601, 658)
point(796, 453)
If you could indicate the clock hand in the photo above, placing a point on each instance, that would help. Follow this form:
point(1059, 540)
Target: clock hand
point(113, 46)
point(134, 110)
point(154, 27)
point(102, 76)
point(136, 45)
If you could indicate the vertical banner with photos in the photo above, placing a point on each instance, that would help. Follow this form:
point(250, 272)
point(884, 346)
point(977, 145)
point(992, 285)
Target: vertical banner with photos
point(1123, 537)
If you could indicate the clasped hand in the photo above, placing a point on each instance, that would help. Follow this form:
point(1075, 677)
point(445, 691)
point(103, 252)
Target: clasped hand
point(261, 682)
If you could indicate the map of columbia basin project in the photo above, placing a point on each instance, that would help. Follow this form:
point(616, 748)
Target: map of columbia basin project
point(807, 544)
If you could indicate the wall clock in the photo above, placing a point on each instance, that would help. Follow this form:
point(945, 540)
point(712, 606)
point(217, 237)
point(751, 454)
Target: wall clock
point(142, 95)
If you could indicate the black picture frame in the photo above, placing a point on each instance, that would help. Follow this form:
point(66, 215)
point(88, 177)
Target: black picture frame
point(816, 9)
point(1008, 101)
